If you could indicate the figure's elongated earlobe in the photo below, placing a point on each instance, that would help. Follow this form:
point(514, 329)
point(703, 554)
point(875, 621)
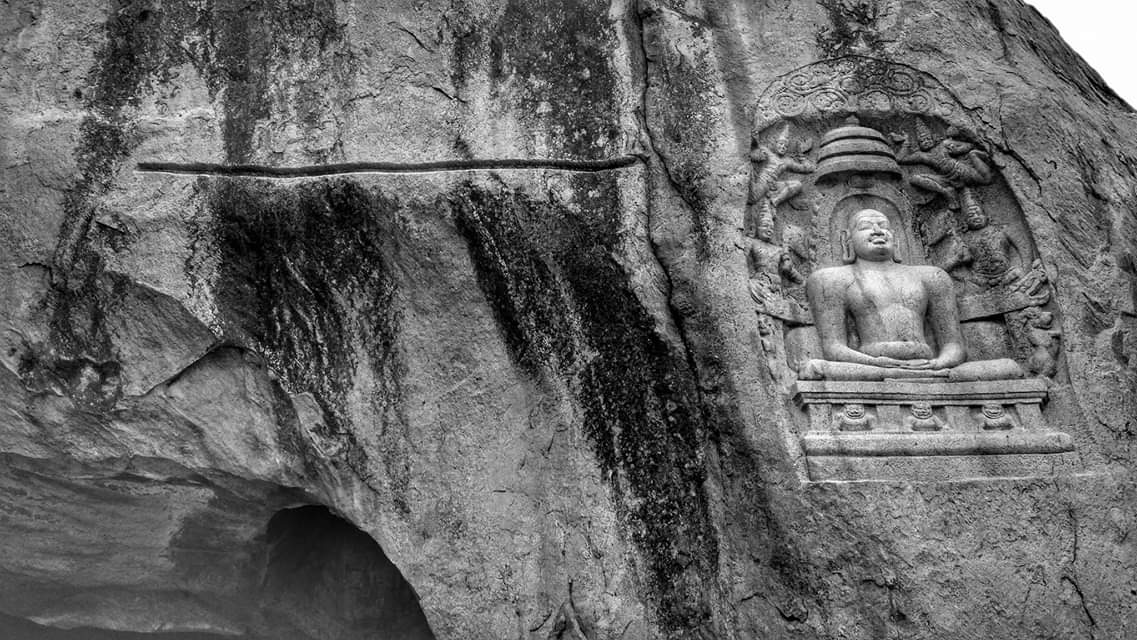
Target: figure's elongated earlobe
point(847, 255)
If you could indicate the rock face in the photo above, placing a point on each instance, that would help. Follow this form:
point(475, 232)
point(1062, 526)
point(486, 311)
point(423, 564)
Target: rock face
point(431, 320)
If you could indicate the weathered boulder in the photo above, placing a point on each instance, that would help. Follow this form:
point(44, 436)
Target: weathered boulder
point(431, 320)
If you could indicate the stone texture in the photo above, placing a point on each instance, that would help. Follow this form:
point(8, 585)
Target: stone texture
point(541, 394)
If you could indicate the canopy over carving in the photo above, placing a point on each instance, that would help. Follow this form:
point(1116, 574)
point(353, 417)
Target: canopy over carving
point(854, 85)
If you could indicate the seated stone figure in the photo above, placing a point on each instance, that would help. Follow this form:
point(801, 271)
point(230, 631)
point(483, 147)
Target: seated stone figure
point(889, 305)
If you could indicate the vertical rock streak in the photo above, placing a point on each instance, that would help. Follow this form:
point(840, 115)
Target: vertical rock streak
point(539, 266)
point(144, 42)
point(305, 278)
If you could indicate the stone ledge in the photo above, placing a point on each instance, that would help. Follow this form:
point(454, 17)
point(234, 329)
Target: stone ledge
point(940, 468)
point(1024, 390)
point(936, 444)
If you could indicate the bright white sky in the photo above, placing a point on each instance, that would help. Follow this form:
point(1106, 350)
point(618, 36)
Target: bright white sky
point(1104, 33)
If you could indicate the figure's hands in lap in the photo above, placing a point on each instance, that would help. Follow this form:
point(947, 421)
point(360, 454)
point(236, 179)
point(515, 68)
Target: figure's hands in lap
point(895, 363)
point(938, 363)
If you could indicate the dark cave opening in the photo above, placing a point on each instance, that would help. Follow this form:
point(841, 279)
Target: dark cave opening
point(320, 578)
point(325, 575)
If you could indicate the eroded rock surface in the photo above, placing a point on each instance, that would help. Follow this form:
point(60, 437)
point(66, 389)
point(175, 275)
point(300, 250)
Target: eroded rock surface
point(541, 393)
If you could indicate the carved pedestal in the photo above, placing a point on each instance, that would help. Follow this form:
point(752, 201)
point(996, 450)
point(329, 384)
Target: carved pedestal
point(929, 431)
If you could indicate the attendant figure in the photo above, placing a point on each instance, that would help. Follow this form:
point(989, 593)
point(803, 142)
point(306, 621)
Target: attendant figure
point(766, 184)
point(957, 164)
point(769, 264)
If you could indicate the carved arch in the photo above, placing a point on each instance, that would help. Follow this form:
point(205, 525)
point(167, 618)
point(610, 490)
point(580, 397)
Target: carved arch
point(857, 85)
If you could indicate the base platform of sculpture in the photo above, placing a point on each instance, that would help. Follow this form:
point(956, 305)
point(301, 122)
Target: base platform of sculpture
point(929, 430)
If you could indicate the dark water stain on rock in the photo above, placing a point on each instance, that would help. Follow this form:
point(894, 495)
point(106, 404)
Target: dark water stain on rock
point(144, 42)
point(469, 46)
point(250, 44)
point(566, 308)
point(107, 136)
point(304, 279)
point(854, 28)
point(557, 57)
point(532, 318)
point(553, 61)
point(141, 48)
point(232, 44)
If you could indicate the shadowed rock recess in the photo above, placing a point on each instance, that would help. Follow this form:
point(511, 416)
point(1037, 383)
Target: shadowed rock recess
point(465, 320)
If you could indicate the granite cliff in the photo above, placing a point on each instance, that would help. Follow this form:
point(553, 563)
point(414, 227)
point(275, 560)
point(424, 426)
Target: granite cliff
point(430, 320)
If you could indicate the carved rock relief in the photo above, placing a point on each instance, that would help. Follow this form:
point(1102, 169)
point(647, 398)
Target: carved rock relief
point(839, 137)
point(946, 199)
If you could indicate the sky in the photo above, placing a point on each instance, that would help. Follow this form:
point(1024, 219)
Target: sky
point(1104, 33)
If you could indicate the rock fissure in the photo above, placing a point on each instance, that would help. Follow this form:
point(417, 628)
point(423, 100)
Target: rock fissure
point(686, 187)
point(653, 201)
point(640, 411)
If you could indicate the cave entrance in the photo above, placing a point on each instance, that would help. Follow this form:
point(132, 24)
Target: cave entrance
point(326, 578)
point(319, 578)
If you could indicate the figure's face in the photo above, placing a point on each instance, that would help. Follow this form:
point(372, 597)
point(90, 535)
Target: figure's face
point(976, 219)
point(956, 147)
point(925, 140)
point(870, 236)
point(765, 231)
point(855, 411)
point(781, 146)
point(922, 410)
point(992, 410)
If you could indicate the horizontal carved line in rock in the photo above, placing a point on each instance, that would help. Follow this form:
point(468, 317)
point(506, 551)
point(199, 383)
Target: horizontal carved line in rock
point(316, 171)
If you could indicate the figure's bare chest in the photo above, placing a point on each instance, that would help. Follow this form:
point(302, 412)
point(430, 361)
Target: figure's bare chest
point(774, 166)
point(881, 290)
point(989, 246)
point(766, 256)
